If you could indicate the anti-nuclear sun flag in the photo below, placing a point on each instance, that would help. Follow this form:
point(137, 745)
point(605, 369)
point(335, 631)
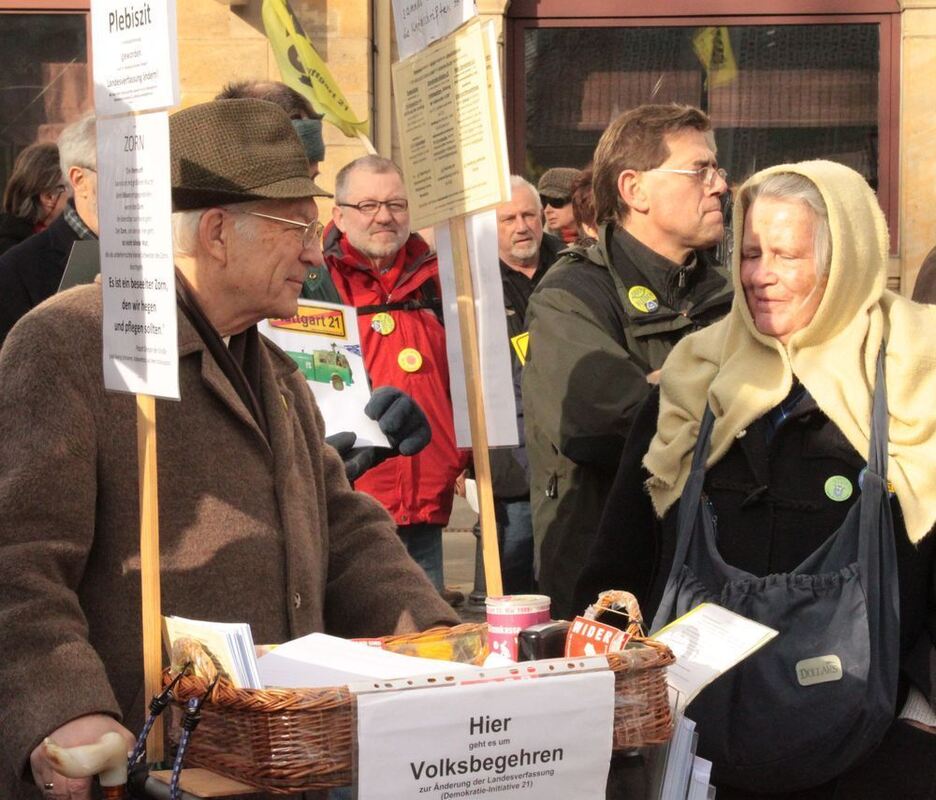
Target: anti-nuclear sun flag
point(303, 69)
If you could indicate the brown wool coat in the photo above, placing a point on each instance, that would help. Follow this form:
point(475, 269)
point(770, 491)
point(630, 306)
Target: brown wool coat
point(271, 534)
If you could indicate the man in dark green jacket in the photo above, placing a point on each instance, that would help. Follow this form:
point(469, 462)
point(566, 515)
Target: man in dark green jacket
point(604, 318)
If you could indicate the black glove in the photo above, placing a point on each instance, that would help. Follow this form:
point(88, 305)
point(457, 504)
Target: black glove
point(401, 420)
point(357, 460)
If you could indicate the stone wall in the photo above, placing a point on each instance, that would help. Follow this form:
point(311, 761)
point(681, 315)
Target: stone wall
point(917, 221)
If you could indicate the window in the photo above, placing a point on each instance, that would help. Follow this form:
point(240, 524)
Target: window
point(778, 89)
point(44, 83)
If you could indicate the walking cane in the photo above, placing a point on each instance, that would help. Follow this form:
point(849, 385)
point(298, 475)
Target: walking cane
point(108, 758)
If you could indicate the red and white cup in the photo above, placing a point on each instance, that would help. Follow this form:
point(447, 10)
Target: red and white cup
point(510, 614)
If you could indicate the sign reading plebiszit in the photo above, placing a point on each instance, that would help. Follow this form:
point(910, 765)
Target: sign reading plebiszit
point(519, 738)
point(136, 70)
point(135, 52)
point(141, 353)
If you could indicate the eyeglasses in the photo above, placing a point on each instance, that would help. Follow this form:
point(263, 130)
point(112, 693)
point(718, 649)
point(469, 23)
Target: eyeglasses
point(311, 231)
point(706, 174)
point(555, 202)
point(369, 208)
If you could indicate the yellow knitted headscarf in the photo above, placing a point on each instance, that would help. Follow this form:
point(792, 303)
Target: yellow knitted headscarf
point(743, 374)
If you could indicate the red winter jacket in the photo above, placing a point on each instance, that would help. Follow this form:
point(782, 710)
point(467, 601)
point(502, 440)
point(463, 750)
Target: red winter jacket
point(415, 489)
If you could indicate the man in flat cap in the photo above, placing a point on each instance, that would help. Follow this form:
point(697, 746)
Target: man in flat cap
point(257, 520)
point(555, 191)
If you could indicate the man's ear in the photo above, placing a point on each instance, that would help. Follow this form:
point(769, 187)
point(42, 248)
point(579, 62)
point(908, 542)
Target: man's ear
point(76, 178)
point(632, 190)
point(213, 235)
point(338, 218)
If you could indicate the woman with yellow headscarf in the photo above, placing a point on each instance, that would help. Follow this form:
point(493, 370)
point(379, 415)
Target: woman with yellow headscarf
point(787, 470)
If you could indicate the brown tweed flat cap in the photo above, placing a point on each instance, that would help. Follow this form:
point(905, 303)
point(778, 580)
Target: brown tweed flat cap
point(234, 151)
point(557, 182)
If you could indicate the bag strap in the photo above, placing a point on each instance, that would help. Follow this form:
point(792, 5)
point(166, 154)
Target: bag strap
point(434, 305)
point(877, 450)
point(876, 524)
point(689, 502)
point(428, 298)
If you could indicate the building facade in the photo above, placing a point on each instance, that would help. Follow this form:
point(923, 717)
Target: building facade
point(846, 79)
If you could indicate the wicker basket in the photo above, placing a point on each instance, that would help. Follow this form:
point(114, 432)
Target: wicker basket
point(290, 740)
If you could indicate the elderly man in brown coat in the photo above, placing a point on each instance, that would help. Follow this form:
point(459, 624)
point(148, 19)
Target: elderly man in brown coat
point(257, 519)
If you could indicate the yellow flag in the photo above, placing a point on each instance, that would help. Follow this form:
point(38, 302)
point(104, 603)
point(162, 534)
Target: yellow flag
point(303, 69)
point(713, 48)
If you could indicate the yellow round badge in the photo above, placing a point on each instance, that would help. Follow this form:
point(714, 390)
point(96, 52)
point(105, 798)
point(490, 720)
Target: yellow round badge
point(410, 359)
point(383, 323)
point(643, 299)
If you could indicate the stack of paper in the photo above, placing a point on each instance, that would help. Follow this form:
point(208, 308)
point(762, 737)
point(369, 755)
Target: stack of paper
point(310, 661)
point(700, 787)
point(680, 756)
point(230, 643)
point(322, 660)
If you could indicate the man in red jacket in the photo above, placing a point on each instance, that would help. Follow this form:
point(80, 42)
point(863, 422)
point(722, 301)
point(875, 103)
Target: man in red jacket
point(392, 278)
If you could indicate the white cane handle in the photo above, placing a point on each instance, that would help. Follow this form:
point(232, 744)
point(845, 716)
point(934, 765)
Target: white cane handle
point(106, 758)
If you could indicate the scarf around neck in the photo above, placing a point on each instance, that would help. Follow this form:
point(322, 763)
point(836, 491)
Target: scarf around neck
point(742, 374)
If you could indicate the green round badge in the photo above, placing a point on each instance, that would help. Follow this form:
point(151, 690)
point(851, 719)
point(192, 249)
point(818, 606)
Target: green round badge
point(643, 299)
point(838, 488)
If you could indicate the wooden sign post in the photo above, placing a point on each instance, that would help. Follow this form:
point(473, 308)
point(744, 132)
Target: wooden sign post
point(479, 441)
point(454, 158)
point(149, 564)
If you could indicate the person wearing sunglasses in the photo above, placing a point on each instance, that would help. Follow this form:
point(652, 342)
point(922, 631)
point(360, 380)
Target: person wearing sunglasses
point(555, 191)
point(605, 316)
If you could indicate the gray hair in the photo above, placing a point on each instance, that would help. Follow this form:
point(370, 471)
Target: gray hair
point(518, 182)
point(185, 224)
point(795, 188)
point(77, 144)
point(370, 163)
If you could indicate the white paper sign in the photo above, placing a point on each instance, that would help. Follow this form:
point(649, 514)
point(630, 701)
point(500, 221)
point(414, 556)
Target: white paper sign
point(137, 275)
point(418, 23)
point(547, 737)
point(496, 374)
point(324, 341)
point(136, 63)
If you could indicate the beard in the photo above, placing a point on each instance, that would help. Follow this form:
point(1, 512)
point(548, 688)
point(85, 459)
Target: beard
point(524, 251)
point(380, 248)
